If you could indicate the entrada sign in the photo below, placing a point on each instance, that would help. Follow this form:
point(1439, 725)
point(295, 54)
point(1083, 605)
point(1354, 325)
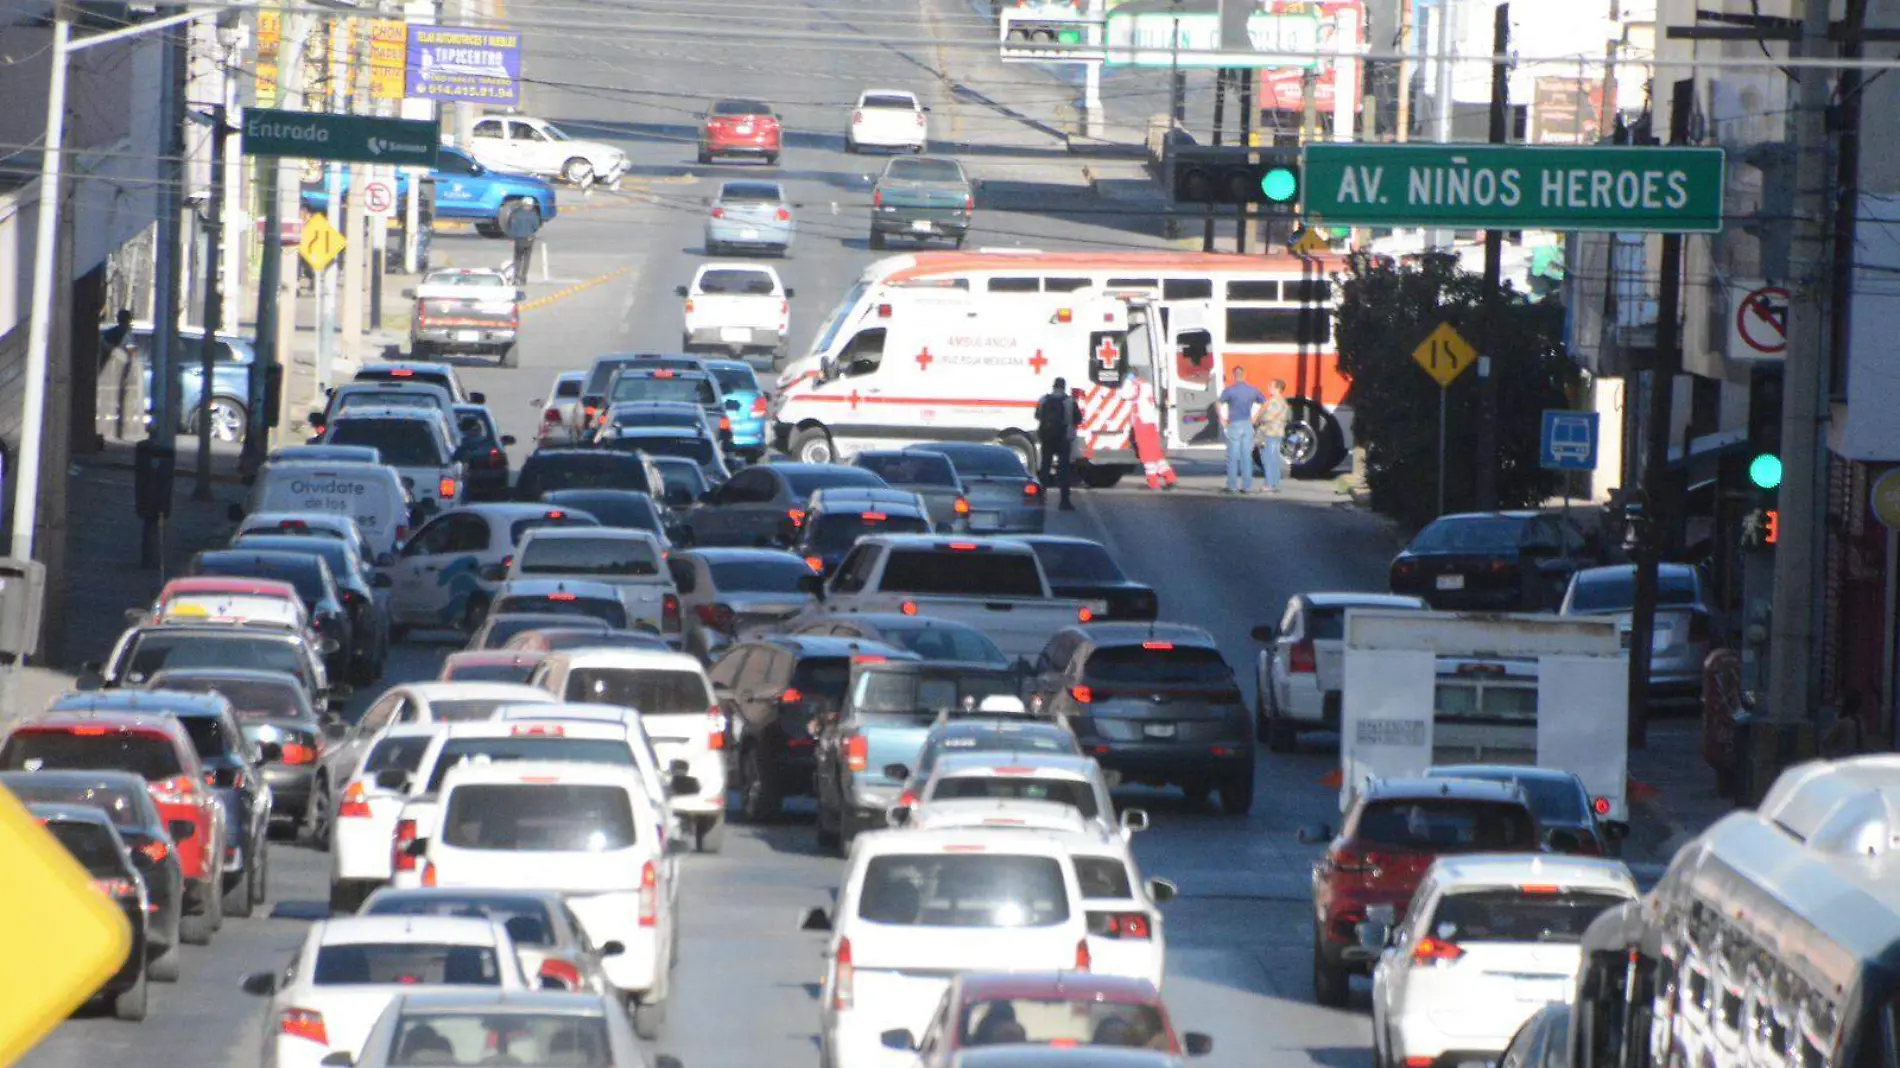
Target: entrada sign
point(1516, 187)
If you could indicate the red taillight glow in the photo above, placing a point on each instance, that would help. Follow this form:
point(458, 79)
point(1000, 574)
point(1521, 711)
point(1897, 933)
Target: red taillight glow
point(815, 563)
point(963, 546)
point(962, 507)
point(759, 407)
point(670, 612)
point(1031, 489)
point(303, 1023)
point(355, 804)
point(538, 730)
point(784, 215)
point(877, 200)
point(719, 213)
point(117, 887)
point(649, 895)
point(551, 415)
point(1082, 694)
point(1300, 659)
point(89, 732)
point(1084, 615)
point(1132, 925)
point(295, 753)
point(791, 697)
point(1436, 951)
point(446, 487)
point(909, 608)
point(1082, 958)
point(1540, 889)
point(717, 616)
point(689, 305)
point(177, 790)
point(562, 972)
point(715, 728)
point(873, 517)
point(156, 852)
point(843, 977)
point(399, 858)
point(563, 597)
point(857, 753)
point(428, 874)
point(1601, 806)
point(796, 515)
point(1157, 645)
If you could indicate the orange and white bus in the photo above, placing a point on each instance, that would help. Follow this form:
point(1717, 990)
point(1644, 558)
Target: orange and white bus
point(1272, 315)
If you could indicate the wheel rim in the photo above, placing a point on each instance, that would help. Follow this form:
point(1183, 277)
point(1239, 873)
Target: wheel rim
point(816, 451)
point(1301, 443)
point(580, 172)
point(320, 819)
point(227, 422)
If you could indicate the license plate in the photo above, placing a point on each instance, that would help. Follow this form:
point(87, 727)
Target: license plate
point(922, 226)
point(735, 334)
point(468, 335)
point(1158, 730)
point(749, 234)
point(983, 522)
point(1451, 582)
point(745, 128)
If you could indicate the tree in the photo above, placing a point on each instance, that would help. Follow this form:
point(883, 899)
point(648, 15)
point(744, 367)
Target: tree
point(1385, 310)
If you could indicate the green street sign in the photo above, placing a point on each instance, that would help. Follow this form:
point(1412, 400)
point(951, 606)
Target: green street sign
point(352, 138)
point(1515, 187)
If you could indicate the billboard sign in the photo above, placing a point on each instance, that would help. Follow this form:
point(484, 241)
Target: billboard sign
point(463, 63)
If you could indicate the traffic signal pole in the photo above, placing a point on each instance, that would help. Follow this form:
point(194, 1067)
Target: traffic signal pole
point(1487, 460)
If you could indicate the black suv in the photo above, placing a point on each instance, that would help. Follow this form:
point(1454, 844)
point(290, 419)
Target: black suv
point(1156, 702)
point(835, 518)
point(546, 470)
point(772, 691)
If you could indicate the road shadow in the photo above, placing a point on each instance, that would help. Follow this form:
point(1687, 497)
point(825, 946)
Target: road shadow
point(295, 909)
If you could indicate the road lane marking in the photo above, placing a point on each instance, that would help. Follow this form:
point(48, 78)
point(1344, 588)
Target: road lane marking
point(579, 287)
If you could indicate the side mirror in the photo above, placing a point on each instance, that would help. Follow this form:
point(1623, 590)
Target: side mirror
point(1197, 1044)
point(340, 1059)
point(897, 815)
point(417, 847)
point(815, 919)
point(493, 573)
point(394, 780)
point(380, 581)
point(259, 984)
point(897, 772)
point(679, 291)
point(790, 292)
point(1162, 891)
point(507, 439)
point(385, 560)
point(679, 767)
point(612, 949)
point(1265, 632)
point(1314, 834)
point(269, 752)
point(898, 1039)
point(1134, 820)
point(684, 786)
point(181, 830)
point(235, 513)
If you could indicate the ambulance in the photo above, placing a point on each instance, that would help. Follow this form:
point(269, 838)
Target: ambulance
point(961, 345)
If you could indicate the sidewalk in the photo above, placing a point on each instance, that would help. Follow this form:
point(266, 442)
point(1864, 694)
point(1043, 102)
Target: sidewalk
point(1672, 792)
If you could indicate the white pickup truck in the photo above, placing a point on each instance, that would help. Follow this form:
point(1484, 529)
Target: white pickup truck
point(993, 584)
point(465, 309)
point(630, 561)
point(736, 307)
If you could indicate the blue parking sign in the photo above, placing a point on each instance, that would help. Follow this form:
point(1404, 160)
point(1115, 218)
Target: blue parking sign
point(1569, 441)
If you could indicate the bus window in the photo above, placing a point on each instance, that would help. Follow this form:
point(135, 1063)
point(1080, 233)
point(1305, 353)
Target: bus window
point(1308, 291)
point(1277, 326)
point(1187, 289)
point(1064, 285)
point(1133, 283)
point(1014, 285)
point(863, 355)
point(1255, 290)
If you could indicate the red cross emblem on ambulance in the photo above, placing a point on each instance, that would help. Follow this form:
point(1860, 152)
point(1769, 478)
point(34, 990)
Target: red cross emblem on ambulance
point(1107, 353)
point(1038, 362)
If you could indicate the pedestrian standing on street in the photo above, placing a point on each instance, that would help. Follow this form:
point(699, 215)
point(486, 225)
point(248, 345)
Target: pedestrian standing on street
point(120, 390)
point(1270, 432)
point(1057, 417)
point(1147, 433)
point(1237, 404)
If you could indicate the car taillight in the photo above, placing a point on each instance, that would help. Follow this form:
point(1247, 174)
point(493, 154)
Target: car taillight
point(717, 616)
point(719, 213)
point(551, 414)
point(969, 202)
point(857, 118)
point(446, 488)
point(649, 895)
point(177, 790)
point(784, 308)
point(815, 563)
point(843, 977)
point(1133, 925)
point(1300, 660)
point(725, 423)
point(1436, 951)
point(562, 972)
point(298, 753)
point(1403, 569)
point(303, 1023)
point(1084, 615)
point(796, 515)
point(428, 874)
point(689, 305)
point(715, 728)
point(759, 407)
point(156, 852)
point(402, 533)
point(909, 608)
point(399, 858)
point(920, 120)
point(962, 507)
point(877, 198)
point(355, 804)
point(792, 696)
point(591, 414)
point(117, 887)
point(1082, 958)
point(670, 612)
point(907, 799)
point(1600, 806)
point(1031, 489)
point(784, 215)
point(857, 753)
point(1082, 694)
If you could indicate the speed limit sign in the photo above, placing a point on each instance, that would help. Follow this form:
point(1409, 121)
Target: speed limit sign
point(379, 198)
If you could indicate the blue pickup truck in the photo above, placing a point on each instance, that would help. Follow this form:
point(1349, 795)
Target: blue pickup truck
point(465, 191)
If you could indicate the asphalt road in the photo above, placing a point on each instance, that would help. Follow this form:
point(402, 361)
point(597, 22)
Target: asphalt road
point(747, 981)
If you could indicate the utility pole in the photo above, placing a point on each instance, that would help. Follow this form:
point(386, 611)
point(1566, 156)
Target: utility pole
point(1220, 116)
point(1177, 82)
point(1247, 116)
point(357, 253)
point(1405, 71)
point(1657, 495)
point(214, 302)
point(337, 84)
point(1487, 458)
point(163, 440)
point(1791, 653)
point(1445, 17)
point(26, 493)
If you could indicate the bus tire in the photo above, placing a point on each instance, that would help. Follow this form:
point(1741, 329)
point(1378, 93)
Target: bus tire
point(1025, 449)
point(1315, 444)
point(811, 445)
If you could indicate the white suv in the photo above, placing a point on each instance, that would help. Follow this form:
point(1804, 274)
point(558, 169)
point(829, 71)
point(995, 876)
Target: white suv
point(916, 907)
point(1488, 941)
point(677, 704)
point(1061, 778)
point(1301, 673)
point(585, 830)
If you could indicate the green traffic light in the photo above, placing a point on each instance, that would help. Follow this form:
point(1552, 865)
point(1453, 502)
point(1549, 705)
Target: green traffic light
point(1765, 471)
point(1070, 37)
point(1280, 185)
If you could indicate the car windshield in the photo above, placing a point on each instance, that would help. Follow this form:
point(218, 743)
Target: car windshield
point(386, 398)
point(466, 1039)
point(947, 642)
point(1518, 915)
point(925, 170)
point(680, 389)
point(1016, 787)
point(406, 964)
point(1476, 699)
point(682, 474)
point(538, 817)
point(1554, 799)
point(922, 693)
point(336, 553)
point(464, 278)
point(935, 572)
point(611, 612)
point(741, 107)
point(1077, 562)
point(658, 416)
point(90, 844)
point(735, 379)
point(250, 698)
point(149, 756)
point(736, 281)
point(700, 450)
point(119, 803)
point(773, 575)
point(591, 555)
point(527, 920)
point(1448, 825)
point(1060, 1021)
point(498, 631)
point(964, 890)
point(402, 442)
point(601, 375)
point(527, 747)
point(207, 736)
point(406, 374)
point(1615, 590)
point(591, 470)
point(765, 191)
point(994, 741)
point(654, 691)
point(1482, 534)
point(987, 462)
point(889, 100)
point(567, 388)
point(836, 532)
point(1157, 663)
point(1327, 623)
point(921, 469)
point(404, 752)
point(154, 651)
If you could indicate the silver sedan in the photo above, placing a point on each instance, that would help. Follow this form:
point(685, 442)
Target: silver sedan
point(750, 216)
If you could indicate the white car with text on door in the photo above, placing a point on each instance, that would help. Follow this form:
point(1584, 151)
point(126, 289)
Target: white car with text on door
point(916, 907)
point(582, 829)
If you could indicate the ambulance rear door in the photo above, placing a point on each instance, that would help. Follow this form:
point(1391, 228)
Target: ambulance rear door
point(1194, 374)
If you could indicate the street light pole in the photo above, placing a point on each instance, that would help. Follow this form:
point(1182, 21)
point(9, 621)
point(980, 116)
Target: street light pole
point(214, 302)
point(1177, 86)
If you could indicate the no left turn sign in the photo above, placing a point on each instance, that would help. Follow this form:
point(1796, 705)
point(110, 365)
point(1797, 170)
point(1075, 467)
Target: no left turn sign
point(1761, 320)
point(379, 198)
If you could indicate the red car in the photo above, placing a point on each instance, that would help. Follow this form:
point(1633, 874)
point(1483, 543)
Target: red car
point(739, 128)
point(1056, 1009)
point(156, 748)
point(1393, 833)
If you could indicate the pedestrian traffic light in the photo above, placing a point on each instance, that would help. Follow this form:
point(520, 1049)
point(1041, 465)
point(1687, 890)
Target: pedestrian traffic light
point(1041, 37)
point(1238, 175)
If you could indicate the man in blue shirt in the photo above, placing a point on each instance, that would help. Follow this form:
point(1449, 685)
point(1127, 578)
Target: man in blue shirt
point(1237, 403)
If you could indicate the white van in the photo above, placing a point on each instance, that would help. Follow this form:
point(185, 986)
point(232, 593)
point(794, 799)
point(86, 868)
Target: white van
point(682, 716)
point(371, 494)
point(582, 829)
